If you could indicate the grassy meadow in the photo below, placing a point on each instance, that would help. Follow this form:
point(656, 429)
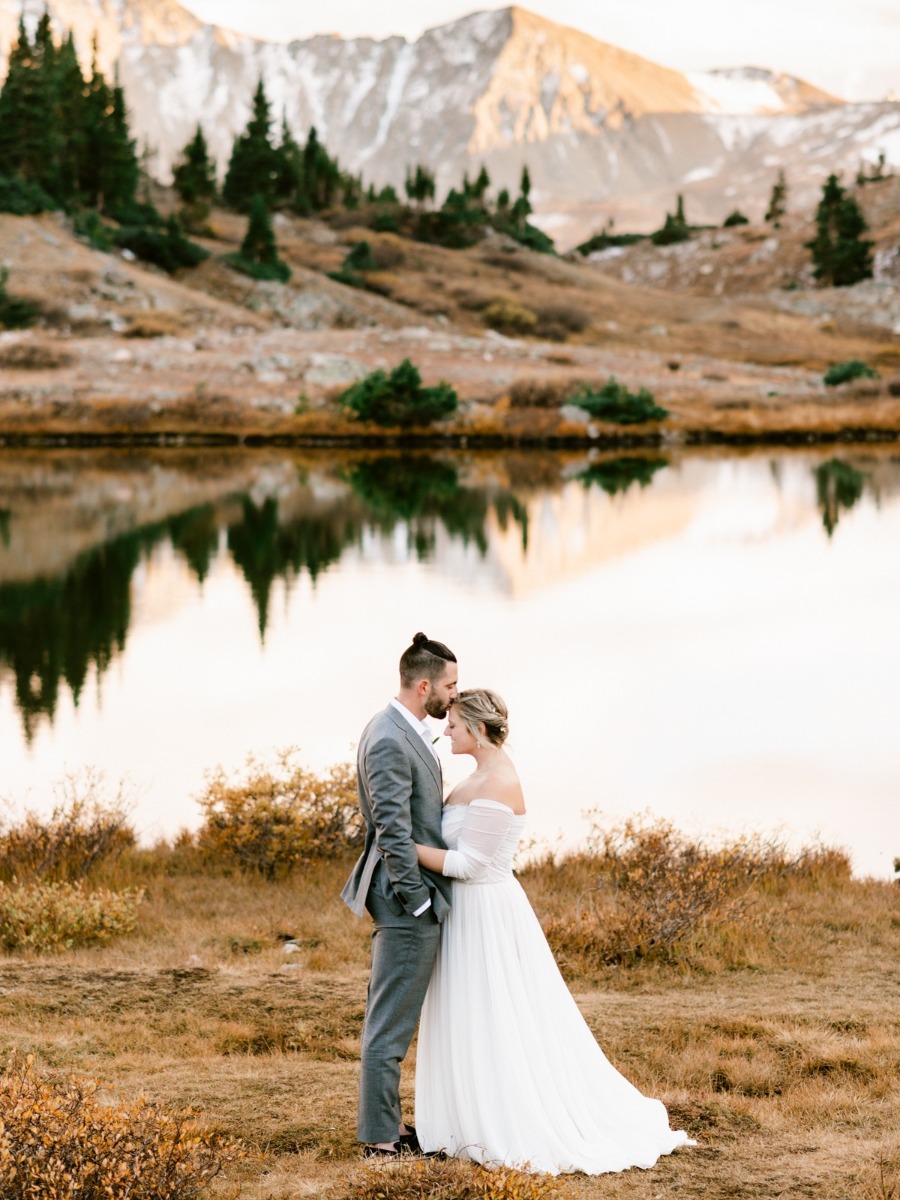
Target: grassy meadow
point(767, 1019)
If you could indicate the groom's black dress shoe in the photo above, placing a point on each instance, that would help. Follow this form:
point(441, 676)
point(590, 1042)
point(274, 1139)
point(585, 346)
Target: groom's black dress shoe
point(382, 1151)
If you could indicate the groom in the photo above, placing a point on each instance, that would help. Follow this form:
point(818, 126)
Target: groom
point(400, 795)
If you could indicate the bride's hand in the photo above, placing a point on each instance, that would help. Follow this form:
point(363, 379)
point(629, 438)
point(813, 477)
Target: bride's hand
point(431, 858)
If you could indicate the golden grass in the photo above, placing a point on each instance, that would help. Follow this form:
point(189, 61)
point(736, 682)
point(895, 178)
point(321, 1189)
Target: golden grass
point(778, 1051)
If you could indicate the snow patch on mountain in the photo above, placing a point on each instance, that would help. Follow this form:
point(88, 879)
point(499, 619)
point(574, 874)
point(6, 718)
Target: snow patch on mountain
point(735, 93)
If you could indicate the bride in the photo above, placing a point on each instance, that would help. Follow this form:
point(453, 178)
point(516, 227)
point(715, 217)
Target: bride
point(507, 1069)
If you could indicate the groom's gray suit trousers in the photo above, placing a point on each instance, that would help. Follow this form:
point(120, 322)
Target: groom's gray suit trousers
point(403, 954)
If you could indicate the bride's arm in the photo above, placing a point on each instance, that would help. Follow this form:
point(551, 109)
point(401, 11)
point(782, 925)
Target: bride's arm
point(483, 831)
point(431, 858)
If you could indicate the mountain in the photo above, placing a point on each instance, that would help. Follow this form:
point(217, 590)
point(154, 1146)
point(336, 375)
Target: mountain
point(604, 132)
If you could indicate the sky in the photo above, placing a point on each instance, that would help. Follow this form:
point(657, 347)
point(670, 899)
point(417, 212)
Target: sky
point(848, 47)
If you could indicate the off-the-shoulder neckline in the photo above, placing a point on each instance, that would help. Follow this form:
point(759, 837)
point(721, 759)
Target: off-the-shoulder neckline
point(485, 800)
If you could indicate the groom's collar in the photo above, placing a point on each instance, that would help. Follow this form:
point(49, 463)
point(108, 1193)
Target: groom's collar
point(419, 726)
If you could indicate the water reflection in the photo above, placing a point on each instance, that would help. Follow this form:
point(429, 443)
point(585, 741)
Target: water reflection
point(617, 475)
point(231, 592)
point(838, 487)
point(54, 628)
point(425, 492)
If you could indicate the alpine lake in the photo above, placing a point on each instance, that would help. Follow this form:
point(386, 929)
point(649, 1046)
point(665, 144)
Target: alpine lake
point(710, 637)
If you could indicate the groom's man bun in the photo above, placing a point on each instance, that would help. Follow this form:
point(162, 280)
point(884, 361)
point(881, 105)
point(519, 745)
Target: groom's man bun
point(424, 659)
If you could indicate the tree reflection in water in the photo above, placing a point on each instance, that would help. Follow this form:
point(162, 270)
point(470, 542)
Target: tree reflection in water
point(838, 487)
point(616, 475)
point(53, 630)
point(425, 491)
point(266, 550)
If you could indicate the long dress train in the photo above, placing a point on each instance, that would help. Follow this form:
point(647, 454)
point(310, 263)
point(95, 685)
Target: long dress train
point(507, 1069)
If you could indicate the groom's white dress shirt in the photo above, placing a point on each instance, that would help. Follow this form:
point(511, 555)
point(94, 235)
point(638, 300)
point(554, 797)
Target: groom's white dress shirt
point(424, 732)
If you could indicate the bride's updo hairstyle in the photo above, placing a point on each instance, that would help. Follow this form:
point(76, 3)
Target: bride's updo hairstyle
point(477, 706)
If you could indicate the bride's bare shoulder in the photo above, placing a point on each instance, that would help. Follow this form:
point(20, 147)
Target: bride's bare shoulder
point(504, 787)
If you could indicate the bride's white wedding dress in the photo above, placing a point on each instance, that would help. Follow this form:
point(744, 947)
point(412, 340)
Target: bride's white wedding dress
point(507, 1069)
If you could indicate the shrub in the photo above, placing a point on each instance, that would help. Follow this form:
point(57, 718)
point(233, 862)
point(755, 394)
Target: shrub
point(278, 272)
point(605, 239)
point(557, 321)
point(399, 398)
point(14, 312)
point(506, 316)
point(56, 916)
point(23, 197)
point(613, 402)
point(170, 250)
point(88, 225)
point(80, 835)
point(538, 393)
point(844, 372)
point(735, 218)
point(270, 821)
point(58, 1140)
point(360, 258)
point(656, 892)
point(434, 1179)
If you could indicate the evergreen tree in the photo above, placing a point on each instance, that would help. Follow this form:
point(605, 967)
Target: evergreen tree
point(258, 256)
point(289, 165)
point(253, 167)
point(482, 183)
point(777, 201)
point(69, 119)
point(420, 186)
point(97, 110)
point(195, 174)
point(674, 229)
point(120, 173)
point(322, 178)
point(522, 209)
point(841, 255)
point(26, 113)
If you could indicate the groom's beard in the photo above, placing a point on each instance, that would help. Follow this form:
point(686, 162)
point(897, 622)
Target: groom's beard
point(436, 708)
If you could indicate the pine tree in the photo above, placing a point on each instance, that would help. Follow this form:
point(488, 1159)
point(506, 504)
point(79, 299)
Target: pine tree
point(420, 186)
point(483, 182)
point(322, 179)
point(258, 255)
point(26, 111)
point(521, 210)
point(253, 167)
point(674, 228)
point(194, 175)
point(288, 165)
point(69, 119)
point(120, 172)
point(777, 201)
point(841, 255)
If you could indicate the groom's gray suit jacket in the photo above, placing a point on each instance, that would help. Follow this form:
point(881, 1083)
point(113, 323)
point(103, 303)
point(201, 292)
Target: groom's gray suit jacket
point(401, 798)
